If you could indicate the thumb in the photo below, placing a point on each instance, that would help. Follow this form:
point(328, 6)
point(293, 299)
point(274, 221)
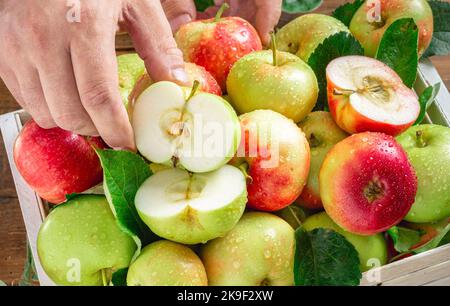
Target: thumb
point(150, 31)
point(179, 12)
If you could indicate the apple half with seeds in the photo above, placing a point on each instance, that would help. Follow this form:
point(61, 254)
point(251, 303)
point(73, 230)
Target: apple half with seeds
point(365, 95)
point(192, 208)
point(197, 131)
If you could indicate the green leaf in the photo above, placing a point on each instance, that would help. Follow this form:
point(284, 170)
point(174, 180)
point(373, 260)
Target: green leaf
point(335, 46)
point(202, 5)
point(325, 258)
point(440, 44)
point(300, 6)
point(435, 242)
point(426, 99)
point(399, 49)
point(119, 278)
point(293, 214)
point(346, 12)
point(404, 238)
point(124, 172)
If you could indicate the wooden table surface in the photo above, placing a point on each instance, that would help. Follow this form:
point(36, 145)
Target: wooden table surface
point(12, 230)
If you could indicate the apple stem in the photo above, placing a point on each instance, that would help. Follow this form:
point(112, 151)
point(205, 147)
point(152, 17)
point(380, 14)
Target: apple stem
point(244, 168)
point(194, 90)
point(220, 12)
point(274, 49)
point(104, 281)
point(419, 140)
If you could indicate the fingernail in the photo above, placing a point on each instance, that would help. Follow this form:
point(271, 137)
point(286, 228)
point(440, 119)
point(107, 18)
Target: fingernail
point(178, 21)
point(180, 75)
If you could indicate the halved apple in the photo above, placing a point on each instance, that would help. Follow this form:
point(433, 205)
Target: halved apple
point(365, 95)
point(192, 208)
point(195, 130)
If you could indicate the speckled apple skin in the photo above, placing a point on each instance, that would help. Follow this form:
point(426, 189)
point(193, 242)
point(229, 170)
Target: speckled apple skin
point(392, 10)
point(55, 162)
point(347, 171)
point(274, 188)
point(217, 45)
point(166, 263)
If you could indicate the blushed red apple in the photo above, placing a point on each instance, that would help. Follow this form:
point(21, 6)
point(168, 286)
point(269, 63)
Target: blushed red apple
point(367, 183)
point(55, 162)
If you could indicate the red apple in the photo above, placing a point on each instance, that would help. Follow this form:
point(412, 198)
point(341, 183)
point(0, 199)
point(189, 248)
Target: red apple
point(217, 44)
point(364, 95)
point(367, 183)
point(56, 162)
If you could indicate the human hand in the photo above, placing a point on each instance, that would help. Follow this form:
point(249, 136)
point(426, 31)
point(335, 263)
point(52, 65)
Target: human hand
point(64, 73)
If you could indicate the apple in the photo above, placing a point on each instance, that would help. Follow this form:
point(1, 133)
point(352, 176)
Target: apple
point(55, 162)
point(428, 149)
point(370, 31)
point(192, 208)
point(369, 248)
point(130, 68)
point(165, 263)
point(322, 134)
point(273, 80)
point(364, 95)
point(217, 43)
point(275, 154)
point(197, 131)
point(259, 251)
point(304, 34)
point(367, 184)
point(80, 243)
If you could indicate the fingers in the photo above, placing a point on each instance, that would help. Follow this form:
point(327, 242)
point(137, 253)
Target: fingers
point(179, 12)
point(153, 40)
point(268, 13)
point(95, 69)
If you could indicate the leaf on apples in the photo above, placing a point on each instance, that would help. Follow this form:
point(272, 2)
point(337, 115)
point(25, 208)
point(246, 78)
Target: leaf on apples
point(293, 214)
point(399, 49)
point(119, 278)
point(426, 99)
point(440, 44)
point(202, 5)
point(124, 172)
point(345, 12)
point(435, 242)
point(404, 238)
point(300, 6)
point(337, 45)
point(325, 258)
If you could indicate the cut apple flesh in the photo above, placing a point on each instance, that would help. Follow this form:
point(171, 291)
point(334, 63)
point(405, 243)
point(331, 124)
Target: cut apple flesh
point(201, 133)
point(374, 90)
point(192, 208)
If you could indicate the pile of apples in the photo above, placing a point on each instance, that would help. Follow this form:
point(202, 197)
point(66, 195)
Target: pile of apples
point(220, 180)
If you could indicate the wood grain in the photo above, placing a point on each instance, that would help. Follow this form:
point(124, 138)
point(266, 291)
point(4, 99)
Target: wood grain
point(12, 230)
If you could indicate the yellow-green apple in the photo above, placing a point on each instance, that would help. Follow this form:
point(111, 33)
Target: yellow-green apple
point(304, 34)
point(80, 243)
point(192, 208)
point(273, 80)
point(217, 43)
point(259, 251)
point(322, 134)
point(276, 154)
point(367, 184)
point(166, 263)
point(374, 17)
point(372, 249)
point(364, 95)
point(130, 67)
point(428, 149)
point(55, 162)
point(191, 129)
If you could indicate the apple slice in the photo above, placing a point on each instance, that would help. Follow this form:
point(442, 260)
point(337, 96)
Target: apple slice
point(199, 132)
point(364, 95)
point(192, 208)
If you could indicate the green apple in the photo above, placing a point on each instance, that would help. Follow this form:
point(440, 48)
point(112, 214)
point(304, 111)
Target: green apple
point(304, 34)
point(197, 131)
point(258, 251)
point(371, 249)
point(273, 80)
point(130, 67)
point(192, 208)
point(322, 134)
point(428, 149)
point(166, 263)
point(80, 243)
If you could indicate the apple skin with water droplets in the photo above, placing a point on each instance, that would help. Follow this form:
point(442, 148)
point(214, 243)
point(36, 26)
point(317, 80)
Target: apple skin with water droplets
point(367, 183)
point(217, 45)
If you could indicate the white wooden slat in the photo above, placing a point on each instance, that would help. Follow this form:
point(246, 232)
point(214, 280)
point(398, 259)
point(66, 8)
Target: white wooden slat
point(422, 277)
point(440, 282)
